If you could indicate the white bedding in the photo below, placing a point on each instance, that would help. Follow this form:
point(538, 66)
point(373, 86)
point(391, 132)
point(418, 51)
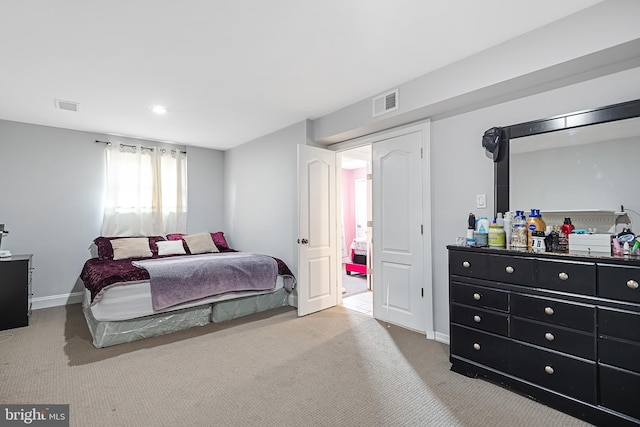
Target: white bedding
point(134, 300)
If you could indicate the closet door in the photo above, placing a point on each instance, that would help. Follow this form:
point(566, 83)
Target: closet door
point(397, 231)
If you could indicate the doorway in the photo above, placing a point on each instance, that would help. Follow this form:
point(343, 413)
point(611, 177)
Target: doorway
point(355, 192)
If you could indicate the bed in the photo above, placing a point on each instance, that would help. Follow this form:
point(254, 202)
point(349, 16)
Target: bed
point(358, 257)
point(131, 294)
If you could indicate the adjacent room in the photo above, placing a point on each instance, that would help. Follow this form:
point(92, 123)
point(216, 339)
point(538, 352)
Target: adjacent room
point(259, 213)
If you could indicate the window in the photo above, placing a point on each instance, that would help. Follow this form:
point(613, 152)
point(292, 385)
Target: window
point(146, 191)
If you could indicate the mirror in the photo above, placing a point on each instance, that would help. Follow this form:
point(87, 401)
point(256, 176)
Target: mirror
point(578, 161)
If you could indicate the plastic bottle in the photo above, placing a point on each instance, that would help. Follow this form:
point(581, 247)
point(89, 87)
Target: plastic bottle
point(566, 227)
point(483, 225)
point(519, 232)
point(496, 235)
point(532, 225)
point(508, 228)
point(543, 224)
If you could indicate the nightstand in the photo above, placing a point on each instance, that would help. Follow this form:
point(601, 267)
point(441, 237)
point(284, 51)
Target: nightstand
point(15, 291)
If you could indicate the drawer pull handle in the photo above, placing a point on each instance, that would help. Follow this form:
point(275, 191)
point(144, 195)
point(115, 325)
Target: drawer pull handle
point(549, 336)
point(563, 276)
point(509, 269)
point(632, 284)
point(476, 296)
point(466, 264)
point(476, 318)
point(548, 310)
point(548, 369)
point(476, 346)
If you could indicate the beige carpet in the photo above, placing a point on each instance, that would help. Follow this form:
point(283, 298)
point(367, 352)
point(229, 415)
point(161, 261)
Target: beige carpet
point(333, 368)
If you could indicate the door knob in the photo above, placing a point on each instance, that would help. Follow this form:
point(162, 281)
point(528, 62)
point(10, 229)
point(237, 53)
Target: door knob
point(303, 241)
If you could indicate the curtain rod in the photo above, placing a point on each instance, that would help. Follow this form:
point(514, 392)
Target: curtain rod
point(141, 147)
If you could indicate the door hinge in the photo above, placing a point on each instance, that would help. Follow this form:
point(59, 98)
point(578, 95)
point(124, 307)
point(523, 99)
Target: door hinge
point(422, 289)
point(369, 176)
point(369, 224)
point(369, 270)
point(421, 229)
point(422, 153)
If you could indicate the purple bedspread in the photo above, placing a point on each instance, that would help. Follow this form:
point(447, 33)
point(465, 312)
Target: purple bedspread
point(178, 280)
point(98, 275)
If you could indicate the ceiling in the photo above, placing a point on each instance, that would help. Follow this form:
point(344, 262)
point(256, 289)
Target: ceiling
point(230, 71)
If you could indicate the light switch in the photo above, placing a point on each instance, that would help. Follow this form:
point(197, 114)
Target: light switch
point(481, 201)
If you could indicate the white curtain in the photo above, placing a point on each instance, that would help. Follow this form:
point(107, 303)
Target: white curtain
point(146, 191)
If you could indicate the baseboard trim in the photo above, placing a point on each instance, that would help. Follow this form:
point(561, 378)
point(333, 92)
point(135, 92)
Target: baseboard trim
point(56, 300)
point(443, 338)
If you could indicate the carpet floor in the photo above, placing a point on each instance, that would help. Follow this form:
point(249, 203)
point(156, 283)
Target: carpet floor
point(332, 368)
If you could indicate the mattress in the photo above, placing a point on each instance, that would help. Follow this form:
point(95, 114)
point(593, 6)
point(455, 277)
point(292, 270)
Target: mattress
point(133, 300)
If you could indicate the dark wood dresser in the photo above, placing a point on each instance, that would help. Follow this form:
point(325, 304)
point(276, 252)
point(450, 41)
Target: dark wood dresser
point(15, 291)
point(563, 329)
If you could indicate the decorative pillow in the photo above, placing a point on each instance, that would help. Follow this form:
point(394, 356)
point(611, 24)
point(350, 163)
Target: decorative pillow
point(105, 250)
point(131, 247)
point(219, 240)
point(171, 247)
point(200, 243)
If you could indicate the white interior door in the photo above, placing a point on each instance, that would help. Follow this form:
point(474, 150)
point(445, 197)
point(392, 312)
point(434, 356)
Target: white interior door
point(317, 230)
point(398, 226)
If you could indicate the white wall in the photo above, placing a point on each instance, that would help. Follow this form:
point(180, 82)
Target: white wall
point(52, 200)
point(261, 194)
point(596, 41)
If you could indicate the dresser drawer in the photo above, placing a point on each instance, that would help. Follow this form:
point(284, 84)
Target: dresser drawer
point(479, 347)
point(622, 354)
point(619, 324)
point(579, 344)
point(511, 269)
point(468, 264)
point(619, 282)
point(480, 319)
point(619, 391)
point(564, 374)
point(566, 276)
point(479, 296)
point(571, 315)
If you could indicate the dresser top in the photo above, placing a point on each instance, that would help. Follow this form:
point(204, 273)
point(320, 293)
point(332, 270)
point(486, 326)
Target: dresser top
point(631, 260)
point(23, 257)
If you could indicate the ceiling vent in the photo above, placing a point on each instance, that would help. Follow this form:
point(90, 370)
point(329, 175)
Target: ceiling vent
point(67, 105)
point(384, 103)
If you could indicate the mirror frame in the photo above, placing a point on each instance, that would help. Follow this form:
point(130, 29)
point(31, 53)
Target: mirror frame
point(609, 113)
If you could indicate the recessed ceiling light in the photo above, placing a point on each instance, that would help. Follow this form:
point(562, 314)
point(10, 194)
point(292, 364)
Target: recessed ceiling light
point(159, 109)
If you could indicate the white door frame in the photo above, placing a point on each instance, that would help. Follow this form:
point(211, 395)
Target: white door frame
point(425, 128)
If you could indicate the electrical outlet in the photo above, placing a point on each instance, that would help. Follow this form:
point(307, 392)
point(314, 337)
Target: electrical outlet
point(481, 201)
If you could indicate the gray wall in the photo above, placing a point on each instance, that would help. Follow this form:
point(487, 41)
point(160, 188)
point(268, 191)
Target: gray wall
point(261, 194)
point(460, 169)
point(52, 199)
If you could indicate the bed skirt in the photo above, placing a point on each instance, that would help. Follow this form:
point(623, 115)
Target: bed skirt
point(108, 333)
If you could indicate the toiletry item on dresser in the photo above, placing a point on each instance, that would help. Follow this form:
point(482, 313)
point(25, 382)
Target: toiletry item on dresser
point(567, 228)
point(482, 232)
point(508, 228)
point(519, 232)
point(496, 235)
point(471, 227)
point(534, 223)
point(483, 225)
point(552, 241)
point(538, 244)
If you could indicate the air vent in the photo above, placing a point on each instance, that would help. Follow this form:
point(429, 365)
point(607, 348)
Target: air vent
point(67, 105)
point(384, 103)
